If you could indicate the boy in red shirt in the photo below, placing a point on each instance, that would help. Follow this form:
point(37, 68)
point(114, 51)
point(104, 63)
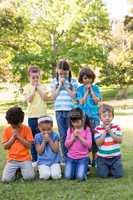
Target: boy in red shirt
point(17, 140)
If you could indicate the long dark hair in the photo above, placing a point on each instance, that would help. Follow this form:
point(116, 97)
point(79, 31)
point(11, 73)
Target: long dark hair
point(64, 65)
point(77, 114)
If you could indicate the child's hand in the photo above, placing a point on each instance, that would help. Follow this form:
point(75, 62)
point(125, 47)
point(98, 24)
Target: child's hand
point(76, 132)
point(15, 133)
point(46, 137)
point(62, 80)
point(107, 128)
point(36, 85)
point(89, 87)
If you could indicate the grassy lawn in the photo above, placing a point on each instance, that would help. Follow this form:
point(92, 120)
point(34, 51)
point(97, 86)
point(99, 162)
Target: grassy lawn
point(94, 188)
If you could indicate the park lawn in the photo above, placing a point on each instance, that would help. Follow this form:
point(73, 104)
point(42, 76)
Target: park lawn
point(92, 189)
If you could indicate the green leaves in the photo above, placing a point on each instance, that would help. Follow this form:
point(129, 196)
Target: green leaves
point(43, 31)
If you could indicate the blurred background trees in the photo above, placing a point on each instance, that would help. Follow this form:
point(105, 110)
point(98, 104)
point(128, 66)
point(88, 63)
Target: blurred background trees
point(44, 31)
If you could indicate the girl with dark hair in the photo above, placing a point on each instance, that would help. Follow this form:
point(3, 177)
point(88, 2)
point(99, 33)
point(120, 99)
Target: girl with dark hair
point(63, 91)
point(88, 96)
point(78, 142)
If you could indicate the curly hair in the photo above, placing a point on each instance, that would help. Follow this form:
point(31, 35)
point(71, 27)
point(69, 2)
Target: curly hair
point(15, 115)
point(86, 72)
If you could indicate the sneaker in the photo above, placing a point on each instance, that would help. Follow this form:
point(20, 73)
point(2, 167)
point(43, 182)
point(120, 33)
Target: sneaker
point(35, 167)
point(62, 164)
point(34, 164)
point(94, 164)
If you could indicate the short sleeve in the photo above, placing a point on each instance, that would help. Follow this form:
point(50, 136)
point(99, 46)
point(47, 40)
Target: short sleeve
point(29, 136)
point(97, 134)
point(118, 131)
point(53, 84)
point(97, 91)
point(38, 139)
point(27, 91)
point(5, 136)
point(56, 137)
point(79, 93)
point(74, 84)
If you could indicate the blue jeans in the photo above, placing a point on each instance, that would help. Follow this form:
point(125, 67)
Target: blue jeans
point(94, 123)
point(76, 168)
point(32, 122)
point(62, 118)
point(109, 166)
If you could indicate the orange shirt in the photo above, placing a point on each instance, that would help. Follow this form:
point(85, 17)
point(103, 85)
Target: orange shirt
point(17, 150)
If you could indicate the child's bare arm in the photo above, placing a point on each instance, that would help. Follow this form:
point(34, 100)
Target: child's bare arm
point(101, 140)
point(116, 137)
point(42, 94)
point(9, 143)
point(95, 98)
point(40, 147)
point(72, 92)
point(83, 100)
point(54, 145)
point(56, 91)
point(28, 98)
point(23, 141)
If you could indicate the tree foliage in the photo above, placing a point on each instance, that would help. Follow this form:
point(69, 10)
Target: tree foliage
point(119, 68)
point(43, 31)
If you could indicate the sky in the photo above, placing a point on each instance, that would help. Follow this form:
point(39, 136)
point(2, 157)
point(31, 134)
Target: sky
point(117, 8)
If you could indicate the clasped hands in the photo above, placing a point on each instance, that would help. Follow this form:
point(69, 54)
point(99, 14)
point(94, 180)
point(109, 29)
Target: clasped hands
point(76, 134)
point(46, 137)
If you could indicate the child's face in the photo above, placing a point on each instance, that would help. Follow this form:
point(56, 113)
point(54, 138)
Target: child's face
point(77, 123)
point(106, 117)
point(86, 80)
point(63, 73)
point(34, 77)
point(16, 126)
point(45, 127)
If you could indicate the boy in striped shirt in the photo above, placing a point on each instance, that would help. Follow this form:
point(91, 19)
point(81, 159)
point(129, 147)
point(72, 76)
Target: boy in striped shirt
point(108, 137)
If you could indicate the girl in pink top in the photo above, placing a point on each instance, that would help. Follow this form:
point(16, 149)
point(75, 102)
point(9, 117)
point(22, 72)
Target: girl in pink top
point(78, 142)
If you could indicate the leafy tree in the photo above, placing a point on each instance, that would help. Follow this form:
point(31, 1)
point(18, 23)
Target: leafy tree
point(119, 68)
point(50, 30)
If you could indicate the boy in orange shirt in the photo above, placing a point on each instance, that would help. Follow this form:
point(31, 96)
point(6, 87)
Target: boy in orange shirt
point(17, 139)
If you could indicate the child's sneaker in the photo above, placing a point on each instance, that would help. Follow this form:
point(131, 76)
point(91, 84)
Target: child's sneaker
point(34, 165)
point(94, 164)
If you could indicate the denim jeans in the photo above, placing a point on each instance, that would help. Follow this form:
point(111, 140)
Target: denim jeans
point(76, 168)
point(62, 118)
point(94, 123)
point(32, 122)
point(109, 166)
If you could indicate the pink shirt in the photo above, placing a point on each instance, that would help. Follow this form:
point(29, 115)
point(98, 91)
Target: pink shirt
point(77, 149)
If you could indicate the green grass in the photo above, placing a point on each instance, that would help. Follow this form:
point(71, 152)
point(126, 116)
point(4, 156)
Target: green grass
point(93, 189)
point(109, 93)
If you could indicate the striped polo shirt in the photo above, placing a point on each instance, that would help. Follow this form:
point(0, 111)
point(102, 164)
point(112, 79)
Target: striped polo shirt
point(109, 148)
point(64, 102)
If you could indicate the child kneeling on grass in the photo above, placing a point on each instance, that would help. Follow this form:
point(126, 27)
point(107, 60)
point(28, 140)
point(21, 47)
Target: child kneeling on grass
point(47, 147)
point(17, 139)
point(108, 137)
point(78, 142)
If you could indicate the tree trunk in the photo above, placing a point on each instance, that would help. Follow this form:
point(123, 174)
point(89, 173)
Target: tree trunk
point(54, 54)
point(122, 93)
